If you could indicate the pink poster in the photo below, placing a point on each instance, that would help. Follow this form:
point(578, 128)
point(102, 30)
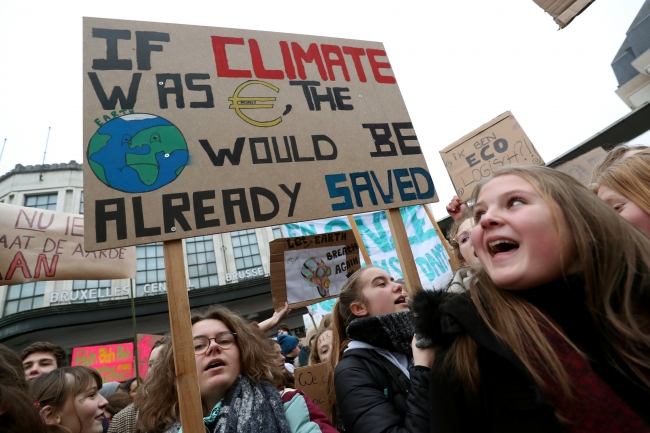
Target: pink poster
point(114, 362)
point(145, 345)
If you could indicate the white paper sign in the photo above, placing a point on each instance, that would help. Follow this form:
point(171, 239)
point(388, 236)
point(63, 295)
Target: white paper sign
point(312, 273)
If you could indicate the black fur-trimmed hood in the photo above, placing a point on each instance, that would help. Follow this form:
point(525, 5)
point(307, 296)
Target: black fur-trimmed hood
point(433, 324)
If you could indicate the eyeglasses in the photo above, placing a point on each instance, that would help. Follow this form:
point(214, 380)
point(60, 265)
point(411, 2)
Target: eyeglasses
point(462, 237)
point(225, 340)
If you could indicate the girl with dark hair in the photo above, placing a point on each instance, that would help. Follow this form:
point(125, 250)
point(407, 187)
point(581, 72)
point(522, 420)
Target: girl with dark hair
point(379, 374)
point(238, 380)
point(68, 400)
point(552, 334)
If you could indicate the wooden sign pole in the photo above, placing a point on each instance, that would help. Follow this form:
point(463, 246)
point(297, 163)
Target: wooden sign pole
point(452, 258)
point(403, 248)
point(187, 383)
point(357, 236)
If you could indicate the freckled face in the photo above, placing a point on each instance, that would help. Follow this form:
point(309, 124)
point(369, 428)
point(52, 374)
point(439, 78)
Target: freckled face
point(626, 208)
point(516, 238)
point(85, 412)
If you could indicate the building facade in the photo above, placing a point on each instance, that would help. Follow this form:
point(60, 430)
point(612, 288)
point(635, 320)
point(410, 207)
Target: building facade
point(230, 269)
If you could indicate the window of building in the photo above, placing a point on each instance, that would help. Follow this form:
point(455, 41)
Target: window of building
point(42, 201)
point(277, 232)
point(201, 262)
point(81, 290)
point(246, 250)
point(81, 204)
point(23, 297)
point(150, 268)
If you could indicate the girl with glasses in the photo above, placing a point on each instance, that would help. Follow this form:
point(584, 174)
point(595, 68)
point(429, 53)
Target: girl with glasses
point(552, 333)
point(238, 382)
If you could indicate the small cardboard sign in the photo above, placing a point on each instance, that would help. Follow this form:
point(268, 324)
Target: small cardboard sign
point(312, 380)
point(582, 167)
point(563, 11)
point(480, 153)
point(42, 245)
point(114, 362)
point(194, 130)
point(310, 269)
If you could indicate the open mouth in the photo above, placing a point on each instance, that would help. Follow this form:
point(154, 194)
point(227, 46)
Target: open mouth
point(401, 300)
point(214, 365)
point(501, 246)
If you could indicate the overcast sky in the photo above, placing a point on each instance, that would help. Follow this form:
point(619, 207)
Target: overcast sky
point(458, 63)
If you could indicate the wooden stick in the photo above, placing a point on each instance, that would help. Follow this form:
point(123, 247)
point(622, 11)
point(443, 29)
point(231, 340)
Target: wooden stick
point(357, 235)
point(452, 259)
point(312, 319)
point(403, 248)
point(187, 383)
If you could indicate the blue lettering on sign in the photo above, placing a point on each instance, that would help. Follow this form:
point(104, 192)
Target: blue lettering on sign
point(360, 182)
point(336, 225)
point(380, 238)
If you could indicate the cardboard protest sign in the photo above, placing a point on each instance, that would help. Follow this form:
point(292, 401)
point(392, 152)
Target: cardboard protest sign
point(489, 147)
point(311, 268)
point(114, 362)
point(312, 380)
point(563, 11)
point(430, 256)
point(581, 167)
point(213, 130)
point(42, 245)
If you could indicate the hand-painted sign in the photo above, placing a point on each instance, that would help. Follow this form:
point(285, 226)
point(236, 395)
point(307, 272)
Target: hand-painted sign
point(42, 245)
point(312, 380)
point(145, 346)
point(309, 268)
point(478, 154)
point(213, 130)
point(114, 362)
point(429, 253)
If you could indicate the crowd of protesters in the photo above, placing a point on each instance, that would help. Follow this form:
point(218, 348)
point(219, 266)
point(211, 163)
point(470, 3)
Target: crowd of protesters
point(544, 328)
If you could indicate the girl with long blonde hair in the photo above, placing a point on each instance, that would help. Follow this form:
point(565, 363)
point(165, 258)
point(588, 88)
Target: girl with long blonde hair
point(553, 332)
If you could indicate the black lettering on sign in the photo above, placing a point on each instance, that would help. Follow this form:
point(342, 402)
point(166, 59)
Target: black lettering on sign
point(174, 212)
point(110, 103)
point(209, 98)
point(381, 139)
point(144, 48)
point(200, 211)
point(112, 61)
point(256, 193)
point(229, 205)
point(164, 91)
point(103, 216)
point(138, 218)
point(233, 156)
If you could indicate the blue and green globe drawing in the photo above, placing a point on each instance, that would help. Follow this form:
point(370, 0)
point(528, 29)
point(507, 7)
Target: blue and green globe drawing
point(137, 153)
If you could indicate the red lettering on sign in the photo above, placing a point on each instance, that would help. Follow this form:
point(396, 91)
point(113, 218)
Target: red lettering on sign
point(18, 262)
point(258, 64)
point(288, 63)
point(50, 270)
point(311, 55)
point(221, 58)
point(376, 66)
point(356, 54)
point(338, 61)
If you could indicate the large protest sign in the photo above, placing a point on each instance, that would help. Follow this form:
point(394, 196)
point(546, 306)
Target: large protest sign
point(145, 346)
point(306, 269)
point(114, 362)
point(41, 245)
point(430, 256)
point(312, 380)
point(583, 166)
point(498, 143)
point(213, 130)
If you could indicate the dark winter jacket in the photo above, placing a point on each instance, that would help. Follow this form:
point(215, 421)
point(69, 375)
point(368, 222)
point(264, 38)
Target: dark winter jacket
point(508, 400)
point(373, 395)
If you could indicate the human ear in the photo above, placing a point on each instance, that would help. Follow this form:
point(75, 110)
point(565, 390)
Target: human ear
point(359, 309)
point(49, 416)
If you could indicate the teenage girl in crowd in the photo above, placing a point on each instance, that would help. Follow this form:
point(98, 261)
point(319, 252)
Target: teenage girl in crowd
point(380, 378)
point(625, 186)
point(460, 236)
point(238, 374)
point(621, 151)
point(68, 400)
point(321, 347)
point(552, 335)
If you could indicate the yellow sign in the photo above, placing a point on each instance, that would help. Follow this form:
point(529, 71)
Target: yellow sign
point(243, 103)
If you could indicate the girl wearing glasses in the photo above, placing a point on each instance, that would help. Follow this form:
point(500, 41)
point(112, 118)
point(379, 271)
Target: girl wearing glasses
point(237, 375)
point(552, 333)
